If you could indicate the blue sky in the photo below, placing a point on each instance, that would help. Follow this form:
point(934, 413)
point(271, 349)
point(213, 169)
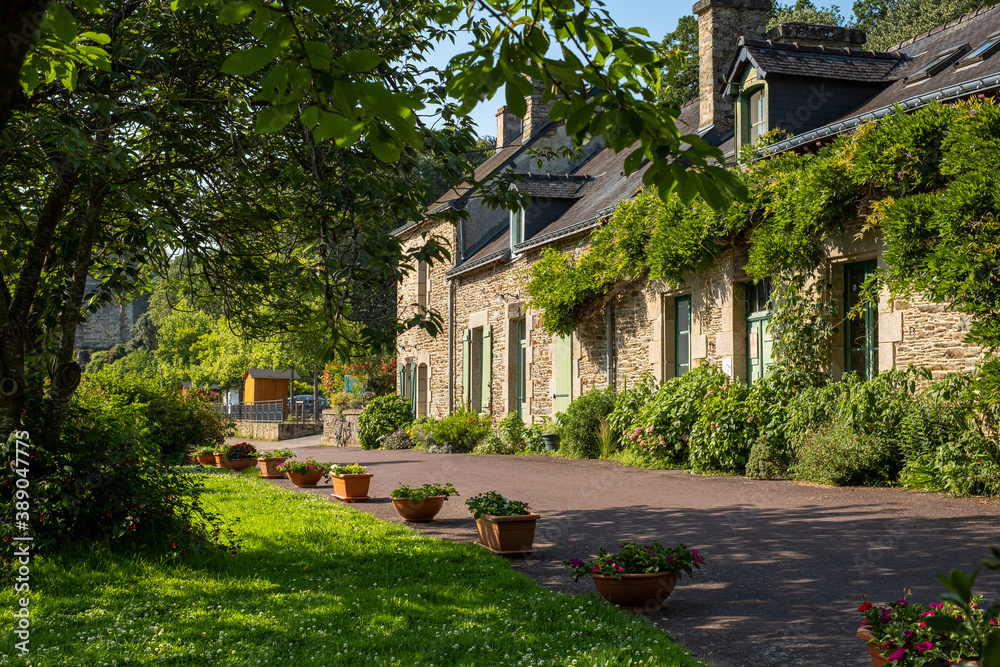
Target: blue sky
point(658, 18)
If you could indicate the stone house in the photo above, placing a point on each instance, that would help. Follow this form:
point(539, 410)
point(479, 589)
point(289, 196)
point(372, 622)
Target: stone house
point(814, 82)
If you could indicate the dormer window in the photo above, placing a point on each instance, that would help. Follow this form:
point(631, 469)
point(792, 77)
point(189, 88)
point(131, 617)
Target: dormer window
point(937, 64)
point(751, 109)
point(516, 228)
point(981, 52)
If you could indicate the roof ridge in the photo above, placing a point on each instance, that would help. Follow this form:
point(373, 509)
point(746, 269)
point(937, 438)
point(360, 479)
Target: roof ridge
point(941, 27)
point(823, 50)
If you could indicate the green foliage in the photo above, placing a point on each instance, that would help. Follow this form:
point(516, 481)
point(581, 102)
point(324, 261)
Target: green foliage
point(607, 440)
point(101, 482)
point(684, 41)
point(424, 492)
point(347, 469)
point(804, 11)
point(421, 433)
point(726, 429)
point(837, 454)
point(398, 440)
point(513, 432)
point(889, 22)
point(802, 328)
point(494, 444)
point(578, 425)
point(382, 417)
point(634, 558)
point(491, 503)
point(766, 461)
point(628, 404)
point(458, 433)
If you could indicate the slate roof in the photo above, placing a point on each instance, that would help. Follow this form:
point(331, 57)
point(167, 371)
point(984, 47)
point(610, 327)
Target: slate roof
point(949, 84)
point(817, 62)
point(557, 186)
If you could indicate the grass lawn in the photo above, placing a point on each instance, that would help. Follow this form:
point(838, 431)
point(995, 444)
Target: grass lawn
point(317, 583)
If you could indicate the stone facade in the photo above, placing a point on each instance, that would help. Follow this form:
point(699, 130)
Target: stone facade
point(276, 430)
point(341, 431)
point(110, 325)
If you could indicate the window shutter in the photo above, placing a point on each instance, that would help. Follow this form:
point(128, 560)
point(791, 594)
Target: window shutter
point(487, 367)
point(413, 390)
point(466, 362)
point(402, 380)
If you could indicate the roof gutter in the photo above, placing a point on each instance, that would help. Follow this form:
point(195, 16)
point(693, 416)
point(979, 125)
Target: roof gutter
point(479, 263)
point(560, 234)
point(942, 95)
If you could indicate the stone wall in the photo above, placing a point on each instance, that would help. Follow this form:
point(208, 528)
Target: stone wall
point(276, 430)
point(341, 431)
point(111, 324)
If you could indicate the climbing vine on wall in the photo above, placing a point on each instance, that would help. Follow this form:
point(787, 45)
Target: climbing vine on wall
point(927, 181)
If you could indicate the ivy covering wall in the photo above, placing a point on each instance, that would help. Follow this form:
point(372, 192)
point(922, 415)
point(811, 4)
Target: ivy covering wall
point(926, 181)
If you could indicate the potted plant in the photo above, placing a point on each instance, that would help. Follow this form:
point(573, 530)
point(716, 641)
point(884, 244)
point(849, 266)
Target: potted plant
point(220, 457)
point(205, 456)
point(351, 482)
point(550, 434)
point(911, 634)
point(270, 460)
point(505, 526)
point(637, 578)
point(241, 456)
point(304, 473)
point(421, 504)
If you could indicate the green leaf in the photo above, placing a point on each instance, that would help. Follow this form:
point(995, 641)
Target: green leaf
point(990, 656)
point(634, 160)
point(448, 14)
point(318, 6)
point(364, 60)
point(580, 119)
point(384, 144)
point(249, 61)
point(62, 22)
point(98, 37)
point(234, 12)
point(515, 101)
point(344, 131)
point(274, 118)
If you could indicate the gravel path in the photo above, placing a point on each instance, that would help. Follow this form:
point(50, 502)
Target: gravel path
point(787, 563)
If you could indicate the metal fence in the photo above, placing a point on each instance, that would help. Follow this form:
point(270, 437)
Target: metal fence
point(259, 411)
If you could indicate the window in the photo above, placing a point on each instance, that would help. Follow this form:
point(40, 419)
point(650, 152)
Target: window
point(981, 52)
point(759, 340)
point(516, 228)
point(521, 368)
point(861, 346)
point(423, 276)
point(757, 115)
point(477, 368)
point(611, 347)
point(423, 390)
point(937, 64)
point(682, 335)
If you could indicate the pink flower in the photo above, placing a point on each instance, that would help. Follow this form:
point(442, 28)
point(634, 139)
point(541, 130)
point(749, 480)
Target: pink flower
point(927, 613)
point(897, 655)
point(685, 437)
point(649, 429)
point(924, 646)
point(638, 430)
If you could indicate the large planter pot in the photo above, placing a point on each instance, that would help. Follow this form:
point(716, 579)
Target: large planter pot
point(419, 511)
point(305, 478)
point(551, 441)
point(221, 461)
point(268, 467)
point(636, 592)
point(241, 464)
point(508, 535)
point(874, 650)
point(206, 459)
point(352, 488)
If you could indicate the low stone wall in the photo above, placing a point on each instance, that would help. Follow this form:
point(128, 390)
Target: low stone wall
point(341, 431)
point(276, 430)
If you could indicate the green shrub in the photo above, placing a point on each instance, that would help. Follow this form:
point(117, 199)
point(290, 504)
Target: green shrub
point(630, 403)
point(726, 429)
point(578, 425)
point(767, 458)
point(513, 432)
point(382, 417)
point(533, 442)
point(838, 454)
point(494, 444)
point(398, 440)
point(664, 424)
point(422, 433)
point(97, 482)
point(458, 433)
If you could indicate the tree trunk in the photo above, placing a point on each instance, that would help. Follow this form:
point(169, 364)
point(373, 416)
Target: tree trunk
point(14, 315)
point(19, 22)
point(66, 372)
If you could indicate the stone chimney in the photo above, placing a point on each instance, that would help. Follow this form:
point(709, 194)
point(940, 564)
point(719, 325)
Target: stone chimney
point(508, 127)
point(720, 24)
point(812, 34)
point(537, 116)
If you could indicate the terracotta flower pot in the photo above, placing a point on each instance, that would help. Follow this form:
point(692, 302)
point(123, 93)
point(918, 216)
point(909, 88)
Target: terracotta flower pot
point(206, 459)
point(352, 488)
point(221, 461)
point(874, 650)
point(305, 478)
point(242, 464)
point(419, 511)
point(508, 535)
point(268, 467)
point(636, 592)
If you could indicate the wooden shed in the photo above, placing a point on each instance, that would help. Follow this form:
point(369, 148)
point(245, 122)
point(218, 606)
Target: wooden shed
point(266, 384)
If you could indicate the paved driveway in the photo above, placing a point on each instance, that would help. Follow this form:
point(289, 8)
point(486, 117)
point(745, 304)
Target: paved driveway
point(787, 563)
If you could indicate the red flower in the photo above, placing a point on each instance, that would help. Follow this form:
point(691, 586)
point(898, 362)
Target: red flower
point(865, 607)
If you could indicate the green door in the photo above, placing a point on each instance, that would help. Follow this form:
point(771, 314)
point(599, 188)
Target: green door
point(564, 372)
point(522, 369)
point(759, 341)
point(682, 335)
point(861, 346)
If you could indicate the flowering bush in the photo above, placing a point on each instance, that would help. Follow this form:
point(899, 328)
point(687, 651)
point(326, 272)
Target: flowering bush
point(633, 558)
point(347, 469)
point(377, 375)
point(304, 467)
point(381, 418)
point(424, 492)
point(491, 503)
point(910, 634)
point(243, 450)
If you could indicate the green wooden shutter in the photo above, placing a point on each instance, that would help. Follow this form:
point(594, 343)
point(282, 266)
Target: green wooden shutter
point(564, 372)
point(466, 362)
point(487, 367)
point(402, 380)
point(413, 390)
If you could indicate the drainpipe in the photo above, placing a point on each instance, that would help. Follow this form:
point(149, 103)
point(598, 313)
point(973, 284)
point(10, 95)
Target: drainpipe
point(451, 345)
